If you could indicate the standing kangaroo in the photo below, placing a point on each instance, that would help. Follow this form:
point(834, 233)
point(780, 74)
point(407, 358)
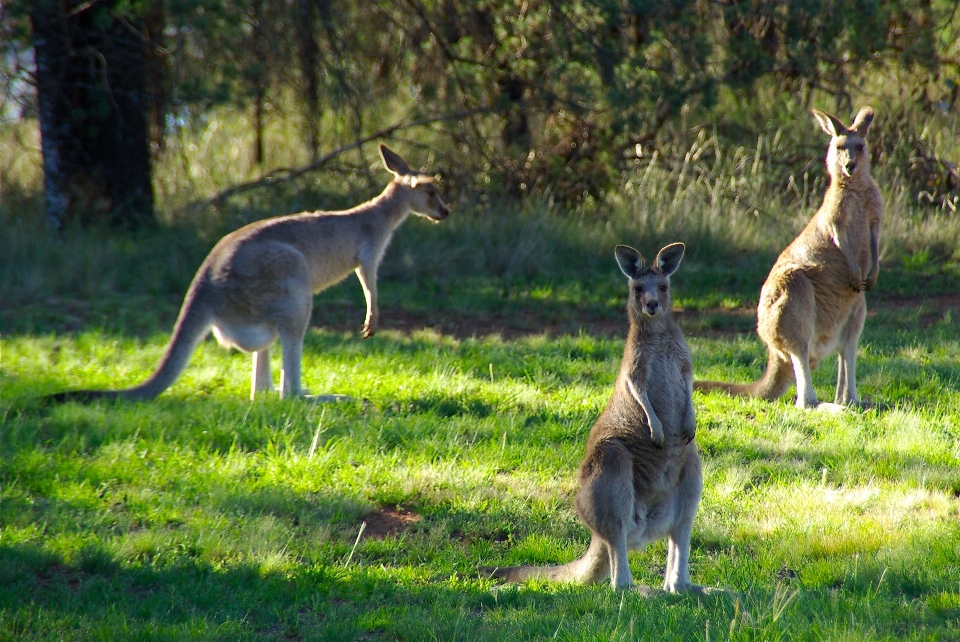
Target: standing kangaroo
point(257, 283)
point(812, 302)
point(640, 479)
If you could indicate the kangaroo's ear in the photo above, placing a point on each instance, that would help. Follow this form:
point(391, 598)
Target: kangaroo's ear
point(668, 259)
point(829, 123)
point(629, 260)
point(862, 122)
point(393, 162)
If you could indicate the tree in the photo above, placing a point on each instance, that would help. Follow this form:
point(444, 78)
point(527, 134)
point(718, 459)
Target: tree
point(91, 83)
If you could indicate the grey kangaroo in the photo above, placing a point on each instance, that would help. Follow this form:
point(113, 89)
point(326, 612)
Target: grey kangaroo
point(257, 283)
point(640, 479)
point(813, 302)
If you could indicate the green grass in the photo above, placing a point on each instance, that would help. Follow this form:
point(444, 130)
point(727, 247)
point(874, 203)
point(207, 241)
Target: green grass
point(203, 515)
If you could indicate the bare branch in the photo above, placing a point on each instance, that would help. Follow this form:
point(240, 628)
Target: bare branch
point(284, 175)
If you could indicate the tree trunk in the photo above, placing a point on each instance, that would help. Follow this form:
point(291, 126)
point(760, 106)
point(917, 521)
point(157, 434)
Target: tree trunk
point(91, 89)
point(310, 71)
point(158, 90)
point(259, 80)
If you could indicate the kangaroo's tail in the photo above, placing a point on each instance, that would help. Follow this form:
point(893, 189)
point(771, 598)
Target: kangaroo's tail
point(594, 566)
point(193, 324)
point(772, 385)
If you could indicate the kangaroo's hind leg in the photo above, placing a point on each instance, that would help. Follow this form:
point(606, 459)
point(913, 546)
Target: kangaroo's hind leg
point(293, 314)
point(605, 502)
point(291, 310)
point(261, 379)
point(686, 501)
point(789, 326)
point(847, 357)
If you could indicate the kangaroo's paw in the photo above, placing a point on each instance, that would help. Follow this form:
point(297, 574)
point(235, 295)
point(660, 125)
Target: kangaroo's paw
point(656, 433)
point(689, 428)
point(856, 281)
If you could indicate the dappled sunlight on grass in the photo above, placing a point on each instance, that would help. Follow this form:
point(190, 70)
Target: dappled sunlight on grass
point(203, 514)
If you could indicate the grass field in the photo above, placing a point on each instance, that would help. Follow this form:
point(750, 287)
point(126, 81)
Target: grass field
point(206, 516)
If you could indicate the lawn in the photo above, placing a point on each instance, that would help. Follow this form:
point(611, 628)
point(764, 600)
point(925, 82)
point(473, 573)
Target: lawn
point(206, 516)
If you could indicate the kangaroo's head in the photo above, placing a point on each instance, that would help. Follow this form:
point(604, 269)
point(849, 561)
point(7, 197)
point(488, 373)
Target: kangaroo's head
point(847, 155)
point(649, 286)
point(424, 200)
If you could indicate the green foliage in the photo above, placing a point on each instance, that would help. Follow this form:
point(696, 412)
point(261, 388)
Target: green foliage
point(552, 99)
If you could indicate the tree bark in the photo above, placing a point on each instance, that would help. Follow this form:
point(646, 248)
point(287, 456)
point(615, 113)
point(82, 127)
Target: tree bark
point(309, 53)
point(259, 80)
point(91, 77)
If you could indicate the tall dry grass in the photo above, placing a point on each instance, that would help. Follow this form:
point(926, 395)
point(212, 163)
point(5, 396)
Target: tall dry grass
point(724, 202)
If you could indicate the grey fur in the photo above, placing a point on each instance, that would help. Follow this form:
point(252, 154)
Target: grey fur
point(257, 283)
point(632, 489)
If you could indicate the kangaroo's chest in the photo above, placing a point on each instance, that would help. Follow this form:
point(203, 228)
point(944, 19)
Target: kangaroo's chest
point(665, 373)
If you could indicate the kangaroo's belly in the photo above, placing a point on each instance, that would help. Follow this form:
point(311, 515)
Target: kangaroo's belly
point(657, 511)
point(806, 303)
point(330, 271)
point(245, 337)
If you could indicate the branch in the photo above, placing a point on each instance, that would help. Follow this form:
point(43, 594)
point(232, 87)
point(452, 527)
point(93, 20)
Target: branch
point(284, 175)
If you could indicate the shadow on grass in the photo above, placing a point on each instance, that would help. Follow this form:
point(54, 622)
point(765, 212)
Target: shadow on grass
point(195, 601)
point(92, 595)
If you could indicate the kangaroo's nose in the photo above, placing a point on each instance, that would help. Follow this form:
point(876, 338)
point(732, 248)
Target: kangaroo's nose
point(652, 307)
point(850, 168)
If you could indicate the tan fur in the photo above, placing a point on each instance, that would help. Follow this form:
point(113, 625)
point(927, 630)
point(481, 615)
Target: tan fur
point(813, 302)
point(638, 484)
point(257, 283)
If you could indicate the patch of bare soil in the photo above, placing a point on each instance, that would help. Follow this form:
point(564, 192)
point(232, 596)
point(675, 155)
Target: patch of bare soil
point(931, 309)
point(389, 522)
point(533, 323)
point(709, 322)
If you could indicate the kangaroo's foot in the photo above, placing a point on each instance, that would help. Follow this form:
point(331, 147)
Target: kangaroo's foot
point(808, 404)
point(328, 398)
point(369, 329)
point(693, 589)
point(696, 589)
point(859, 404)
point(867, 404)
point(834, 408)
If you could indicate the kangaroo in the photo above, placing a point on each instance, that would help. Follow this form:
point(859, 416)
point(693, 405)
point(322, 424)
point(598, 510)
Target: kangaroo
point(257, 283)
point(640, 479)
point(813, 301)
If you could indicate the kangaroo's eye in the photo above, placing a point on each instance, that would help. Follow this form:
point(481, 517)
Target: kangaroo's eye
point(663, 288)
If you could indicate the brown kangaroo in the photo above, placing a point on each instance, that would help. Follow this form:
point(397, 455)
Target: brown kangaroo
point(813, 302)
point(640, 479)
point(257, 283)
